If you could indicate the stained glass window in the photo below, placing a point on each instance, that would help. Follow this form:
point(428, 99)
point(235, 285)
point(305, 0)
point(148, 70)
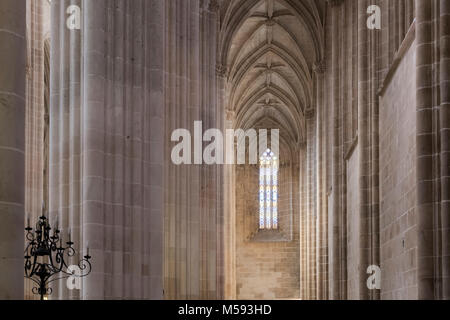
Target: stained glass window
point(268, 191)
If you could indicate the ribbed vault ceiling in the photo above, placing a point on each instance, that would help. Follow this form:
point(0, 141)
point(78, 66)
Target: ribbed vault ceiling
point(269, 48)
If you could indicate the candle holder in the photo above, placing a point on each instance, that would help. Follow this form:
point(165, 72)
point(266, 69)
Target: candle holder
point(45, 257)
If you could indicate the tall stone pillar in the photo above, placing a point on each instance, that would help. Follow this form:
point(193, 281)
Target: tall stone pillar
point(229, 205)
point(445, 143)
point(433, 127)
point(311, 200)
point(12, 146)
point(303, 217)
point(373, 230)
point(322, 213)
point(367, 144)
point(36, 118)
point(211, 187)
point(106, 146)
point(191, 205)
point(368, 149)
point(363, 144)
point(338, 256)
point(424, 143)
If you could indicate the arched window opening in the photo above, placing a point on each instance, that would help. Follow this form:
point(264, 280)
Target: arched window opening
point(268, 191)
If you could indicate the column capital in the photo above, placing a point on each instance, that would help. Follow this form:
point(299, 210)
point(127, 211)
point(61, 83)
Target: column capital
point(221, 70)
point(230, 114)
point(319, 67)
point(214, 5)
point(210, 5)
point(310, 113)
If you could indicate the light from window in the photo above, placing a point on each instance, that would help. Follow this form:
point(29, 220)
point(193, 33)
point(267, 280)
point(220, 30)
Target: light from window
point(268, 191)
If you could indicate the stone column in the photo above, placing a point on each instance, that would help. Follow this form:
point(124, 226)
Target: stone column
point(107, 124)
point(338, 270)
point(444, 110)
point(210, 235)
point(64, 128)
point(374, 256)
point(363, 144)
point(12, 146)
point(229, 205)
point(322, 227)
point(433, 124)
point(302, 160)
point(34, 127)
point(190, 212)
point(311, 203)
point(368, 148)
point(221, 196)
point(36, 122)
point(424, 150)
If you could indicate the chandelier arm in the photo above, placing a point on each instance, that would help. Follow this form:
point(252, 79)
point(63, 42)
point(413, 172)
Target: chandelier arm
point(47, 278)
point(68, 275)
point(63, 261)
point(26, 251)
point(34, 266)
point(52, 269)
point(50, 256)
point(85, 264)
point(34, 280)
point(27, 268)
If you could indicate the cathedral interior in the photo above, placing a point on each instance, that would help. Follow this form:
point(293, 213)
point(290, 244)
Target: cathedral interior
point(352, 201)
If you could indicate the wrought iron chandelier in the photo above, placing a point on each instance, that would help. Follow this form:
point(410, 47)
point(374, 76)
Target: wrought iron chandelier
point(45, 256)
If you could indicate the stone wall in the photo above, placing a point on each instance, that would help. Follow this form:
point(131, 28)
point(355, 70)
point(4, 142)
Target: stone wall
point(265, 269)
point(398, 231)
point(357, 60)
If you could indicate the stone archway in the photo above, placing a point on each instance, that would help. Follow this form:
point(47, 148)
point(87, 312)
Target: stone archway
point(268, 50)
